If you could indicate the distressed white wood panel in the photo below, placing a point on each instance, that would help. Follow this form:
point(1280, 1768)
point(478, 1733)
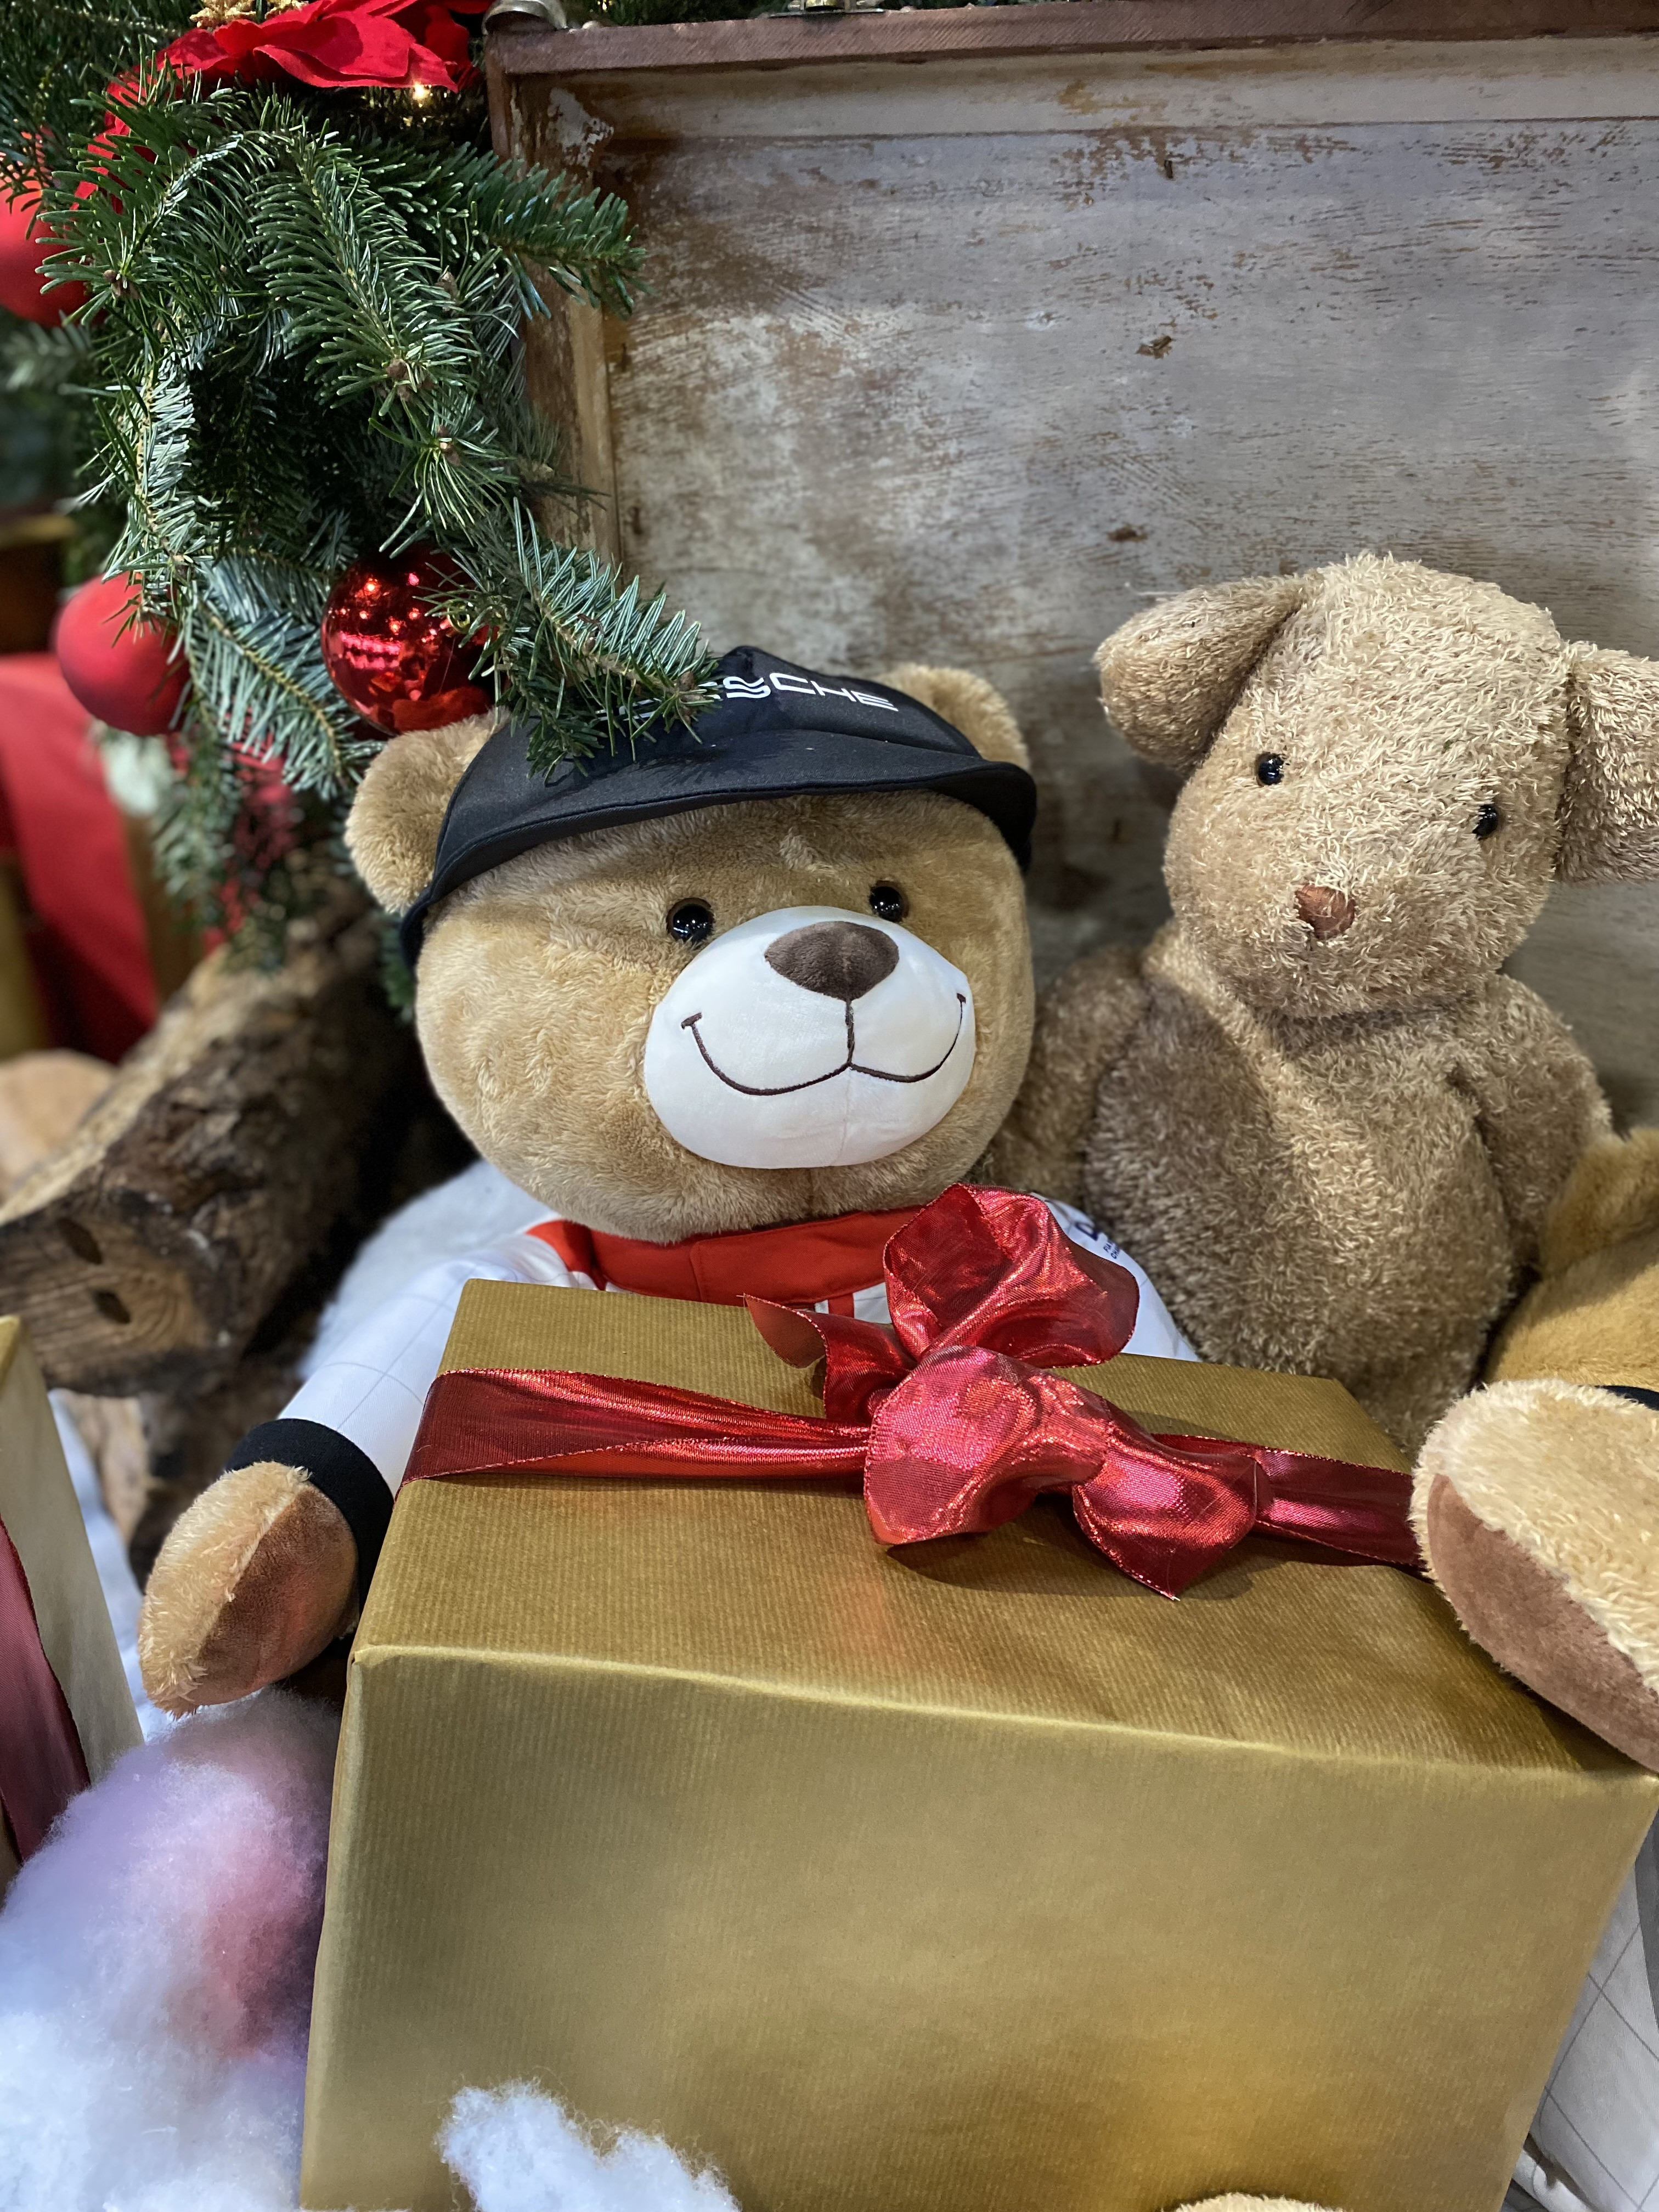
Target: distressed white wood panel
point(1595, 955)
point(1388, 81)
point(977, 394)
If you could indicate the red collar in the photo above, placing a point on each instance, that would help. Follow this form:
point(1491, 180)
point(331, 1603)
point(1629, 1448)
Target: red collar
point(796, 1264)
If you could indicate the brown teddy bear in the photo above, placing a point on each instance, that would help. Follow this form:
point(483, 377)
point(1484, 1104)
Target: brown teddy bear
point(1314, 1107)
point(727, 1010)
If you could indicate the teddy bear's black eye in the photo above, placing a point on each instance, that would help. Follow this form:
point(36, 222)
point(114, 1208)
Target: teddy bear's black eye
point(691, 922)
point(888, 901)
point(1269, 767)
point(1488, 822)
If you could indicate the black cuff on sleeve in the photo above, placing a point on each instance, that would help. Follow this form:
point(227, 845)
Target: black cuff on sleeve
point(1648, 1398)
point(344, 1474)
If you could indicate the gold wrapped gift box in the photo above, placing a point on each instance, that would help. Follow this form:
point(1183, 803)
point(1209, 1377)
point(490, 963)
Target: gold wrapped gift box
point(967, 1878)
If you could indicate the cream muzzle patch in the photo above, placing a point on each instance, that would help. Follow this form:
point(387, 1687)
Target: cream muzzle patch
point(811, 1038)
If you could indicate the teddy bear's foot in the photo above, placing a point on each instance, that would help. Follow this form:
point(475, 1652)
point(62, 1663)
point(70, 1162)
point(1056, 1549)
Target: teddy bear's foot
point(256, 1579)
point(1537, 1504)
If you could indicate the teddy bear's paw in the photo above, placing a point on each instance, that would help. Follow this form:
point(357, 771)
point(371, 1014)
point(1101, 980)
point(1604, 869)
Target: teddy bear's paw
point(1537, 1506)
point(1235, 2203)
point(255, 1578)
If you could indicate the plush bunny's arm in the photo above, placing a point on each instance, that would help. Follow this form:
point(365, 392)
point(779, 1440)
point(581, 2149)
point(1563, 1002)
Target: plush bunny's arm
point(1083, 1020)
point(1538, 1103)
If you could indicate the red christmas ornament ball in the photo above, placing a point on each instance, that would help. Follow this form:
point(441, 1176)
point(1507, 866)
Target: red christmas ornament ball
point(24, 244)
point(132, 678)
point(394, 657)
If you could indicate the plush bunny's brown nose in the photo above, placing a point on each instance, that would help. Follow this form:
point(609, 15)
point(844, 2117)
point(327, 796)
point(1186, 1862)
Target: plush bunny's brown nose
point(1327, 913)
point(842, 959)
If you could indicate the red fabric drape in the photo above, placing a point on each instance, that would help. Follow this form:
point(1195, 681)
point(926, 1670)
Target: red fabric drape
point(89, 944)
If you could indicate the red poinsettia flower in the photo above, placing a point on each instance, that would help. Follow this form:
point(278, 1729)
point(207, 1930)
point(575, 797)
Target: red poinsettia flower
point(337, 45)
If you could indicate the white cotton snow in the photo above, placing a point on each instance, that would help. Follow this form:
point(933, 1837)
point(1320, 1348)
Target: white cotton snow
point(517, 2151)
point(155, 1967)
point(156, 1960)
point(155, 1964)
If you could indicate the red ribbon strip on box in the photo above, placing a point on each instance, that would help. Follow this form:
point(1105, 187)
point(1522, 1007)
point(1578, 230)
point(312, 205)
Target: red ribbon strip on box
point(949, 1416)
point(42, 1764)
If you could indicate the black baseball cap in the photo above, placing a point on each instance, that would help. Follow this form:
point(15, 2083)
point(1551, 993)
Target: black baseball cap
point(776, 731)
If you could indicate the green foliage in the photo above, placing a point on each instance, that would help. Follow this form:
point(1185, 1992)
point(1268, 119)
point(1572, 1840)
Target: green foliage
point(301, 344)
point(58, 56)
point(46, 426)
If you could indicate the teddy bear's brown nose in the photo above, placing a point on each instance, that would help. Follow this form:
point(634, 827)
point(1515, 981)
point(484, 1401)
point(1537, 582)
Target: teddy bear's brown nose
point(842, 959)
point(1327, 913)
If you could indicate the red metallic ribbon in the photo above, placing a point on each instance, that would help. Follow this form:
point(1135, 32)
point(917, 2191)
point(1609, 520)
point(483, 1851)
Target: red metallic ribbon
point(949, 1415)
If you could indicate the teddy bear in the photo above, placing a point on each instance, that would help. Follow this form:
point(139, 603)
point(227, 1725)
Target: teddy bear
point(725, 1009)
point(1315, 1106)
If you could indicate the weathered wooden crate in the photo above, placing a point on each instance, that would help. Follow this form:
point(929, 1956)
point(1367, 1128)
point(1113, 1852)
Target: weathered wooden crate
point(971, 331)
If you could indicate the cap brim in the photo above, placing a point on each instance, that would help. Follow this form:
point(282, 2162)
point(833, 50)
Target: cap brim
point(500, 809)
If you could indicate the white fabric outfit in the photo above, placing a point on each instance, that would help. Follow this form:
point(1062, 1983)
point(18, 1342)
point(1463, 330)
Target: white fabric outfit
point(378, 1347)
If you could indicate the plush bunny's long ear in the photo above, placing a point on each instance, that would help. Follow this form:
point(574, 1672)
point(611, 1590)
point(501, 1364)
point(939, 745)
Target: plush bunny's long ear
point(391, 831)
point(1168, 676)
point(1610, 802)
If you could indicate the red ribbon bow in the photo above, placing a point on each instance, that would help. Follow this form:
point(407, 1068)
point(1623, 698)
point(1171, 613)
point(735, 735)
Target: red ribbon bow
point(949, 1415)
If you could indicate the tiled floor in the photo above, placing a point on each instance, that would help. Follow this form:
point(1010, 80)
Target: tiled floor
point(1599, 2117)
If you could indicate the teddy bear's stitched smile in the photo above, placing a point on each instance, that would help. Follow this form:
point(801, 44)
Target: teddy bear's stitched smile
point(849, 1065)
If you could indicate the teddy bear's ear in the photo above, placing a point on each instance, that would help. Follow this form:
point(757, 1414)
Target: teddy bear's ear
point(1609, 818)
point(1168, 676)
point(969, 704)
point(391, 831)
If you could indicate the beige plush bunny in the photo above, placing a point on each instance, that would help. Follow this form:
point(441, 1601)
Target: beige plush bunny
point(1316, 1108)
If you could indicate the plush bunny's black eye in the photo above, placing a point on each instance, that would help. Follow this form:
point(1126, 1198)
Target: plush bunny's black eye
point(691, 922)
point(1488, 821)
point(1269, 769)
point(888, 902)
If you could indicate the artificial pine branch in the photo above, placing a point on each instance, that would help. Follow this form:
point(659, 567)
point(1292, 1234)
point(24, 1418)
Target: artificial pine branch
point(55, 55)
point(301, 343)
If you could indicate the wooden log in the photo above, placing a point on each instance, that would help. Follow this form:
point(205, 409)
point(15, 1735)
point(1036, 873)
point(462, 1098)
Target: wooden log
point(235, 1142)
